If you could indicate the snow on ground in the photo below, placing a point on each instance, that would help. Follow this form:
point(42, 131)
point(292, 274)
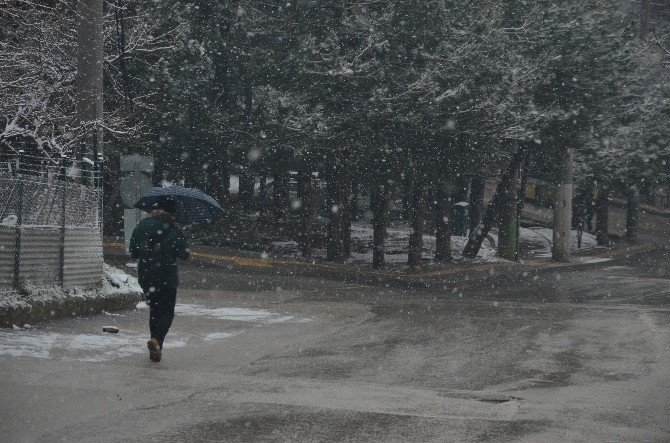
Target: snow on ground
point(114, 281)
point(540, 238)
point(80, 347)
point(38, 343)
point(219, 336)
point(537, 239)
point(397, 241)
point(235, 314)
point(118, 282)
point(238, 314)
point(615, 268)
point(588, 260)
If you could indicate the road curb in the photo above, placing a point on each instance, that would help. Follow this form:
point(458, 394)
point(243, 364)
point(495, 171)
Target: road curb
point(427, 278)
point(37, 311)
point(535, 268)
point(623, 204)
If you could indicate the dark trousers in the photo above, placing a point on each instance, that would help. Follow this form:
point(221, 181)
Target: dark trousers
point(161, 312)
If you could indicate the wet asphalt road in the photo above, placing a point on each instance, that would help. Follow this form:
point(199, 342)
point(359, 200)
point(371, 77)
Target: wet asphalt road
point(583, 355)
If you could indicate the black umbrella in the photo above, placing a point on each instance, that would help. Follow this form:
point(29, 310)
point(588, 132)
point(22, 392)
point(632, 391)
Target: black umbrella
point(193, 205)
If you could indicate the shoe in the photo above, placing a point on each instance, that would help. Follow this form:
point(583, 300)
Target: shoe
point(154, 350)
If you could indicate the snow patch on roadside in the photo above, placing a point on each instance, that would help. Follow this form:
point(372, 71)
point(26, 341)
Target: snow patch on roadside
point(284, 319)
point(615, 268)
point(114, 281)
point(219, 336)
point(79, 347)
point(118, 282)
point(593, 260)
point(237, 314)
point(397, 240)
point(537, 239)
point(541, 238)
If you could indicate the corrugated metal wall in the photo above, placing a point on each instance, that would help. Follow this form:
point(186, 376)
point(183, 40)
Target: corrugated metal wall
point(83, 258)
point(40, 256)
point(7, 239)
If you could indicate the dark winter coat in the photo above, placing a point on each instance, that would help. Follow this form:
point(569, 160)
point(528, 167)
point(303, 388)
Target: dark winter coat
point(157, 243)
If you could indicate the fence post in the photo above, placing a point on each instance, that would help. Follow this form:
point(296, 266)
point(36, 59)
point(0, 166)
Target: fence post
point(94, 156)
point(19, 221)
point(63, 178)
point(82, 155)
point(99, 188)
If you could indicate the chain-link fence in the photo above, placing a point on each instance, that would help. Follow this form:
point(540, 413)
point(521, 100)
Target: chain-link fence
point(50, 222)
point(47, 202)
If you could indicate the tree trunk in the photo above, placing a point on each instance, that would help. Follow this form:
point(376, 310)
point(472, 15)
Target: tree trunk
point(476, 201)
point(355, 195)
point(264, 200)
point(214, 175)
point(89, 80)
point(280, 187)
point(379, 204)
point(246, 192)
point(188, 175)
point(462, 188)
point(509, 221)
point(225, 176)
point(335, 247)
point(337, 202)
point(443, 221)
point(247, 179)
point(602, 218)
point(563, 208)
point(632, 214)
point(478, 235)
point(220, 174)
point(417, 211)
point(347, 193)
point(520, 201)
point(406, 183)
point(305, 194)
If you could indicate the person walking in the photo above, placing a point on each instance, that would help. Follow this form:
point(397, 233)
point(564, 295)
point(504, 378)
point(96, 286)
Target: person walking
point(157, 243)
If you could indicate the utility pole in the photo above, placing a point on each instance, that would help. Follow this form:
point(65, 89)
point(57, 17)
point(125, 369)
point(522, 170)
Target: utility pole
point(563, 207)
point(89, 70)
